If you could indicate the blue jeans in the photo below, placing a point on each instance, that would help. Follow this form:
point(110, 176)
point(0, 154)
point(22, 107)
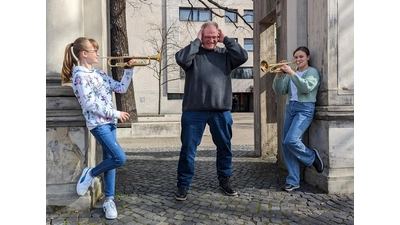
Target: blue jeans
point(113, 156)
point(298, 118)
point(193, 124)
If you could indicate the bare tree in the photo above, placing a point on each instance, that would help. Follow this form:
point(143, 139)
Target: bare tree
point(167, 46)
point(119, 46)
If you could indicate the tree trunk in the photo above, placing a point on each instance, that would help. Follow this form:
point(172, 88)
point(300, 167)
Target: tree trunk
point(119, 46)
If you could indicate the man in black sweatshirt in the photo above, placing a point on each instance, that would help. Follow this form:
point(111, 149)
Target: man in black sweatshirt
point(207, 100)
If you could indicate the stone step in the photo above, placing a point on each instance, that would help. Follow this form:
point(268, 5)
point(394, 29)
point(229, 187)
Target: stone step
point(153, 129)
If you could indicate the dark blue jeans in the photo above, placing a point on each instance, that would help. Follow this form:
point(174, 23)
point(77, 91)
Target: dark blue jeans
point(193, 124)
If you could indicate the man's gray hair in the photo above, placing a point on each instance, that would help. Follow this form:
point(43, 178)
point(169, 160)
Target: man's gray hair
point(209, 23)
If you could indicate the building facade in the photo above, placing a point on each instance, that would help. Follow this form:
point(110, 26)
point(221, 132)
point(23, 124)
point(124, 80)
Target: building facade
point(167, 26)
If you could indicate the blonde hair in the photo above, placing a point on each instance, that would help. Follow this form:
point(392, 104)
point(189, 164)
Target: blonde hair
point(72, 54)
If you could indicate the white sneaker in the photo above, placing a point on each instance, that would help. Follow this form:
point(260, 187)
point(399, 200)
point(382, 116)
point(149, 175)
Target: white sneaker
point(110, 209)
point(84, 181)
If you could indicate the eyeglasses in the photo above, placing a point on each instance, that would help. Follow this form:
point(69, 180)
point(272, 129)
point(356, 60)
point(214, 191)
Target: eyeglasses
point(95, 51)
point(210, 37)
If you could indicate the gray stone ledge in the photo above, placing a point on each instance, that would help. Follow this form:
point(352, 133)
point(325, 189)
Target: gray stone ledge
point(334, 113)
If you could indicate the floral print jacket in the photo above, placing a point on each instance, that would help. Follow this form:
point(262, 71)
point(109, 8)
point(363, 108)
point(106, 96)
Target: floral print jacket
point(93, 89)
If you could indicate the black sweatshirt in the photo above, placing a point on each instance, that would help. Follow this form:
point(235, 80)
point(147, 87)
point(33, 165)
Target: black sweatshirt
point(208, 83)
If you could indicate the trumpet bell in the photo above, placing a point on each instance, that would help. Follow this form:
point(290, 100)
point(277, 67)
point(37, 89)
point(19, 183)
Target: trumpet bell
point(264, 66)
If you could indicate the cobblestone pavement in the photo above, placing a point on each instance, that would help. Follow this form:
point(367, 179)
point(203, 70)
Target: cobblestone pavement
point(147, 181)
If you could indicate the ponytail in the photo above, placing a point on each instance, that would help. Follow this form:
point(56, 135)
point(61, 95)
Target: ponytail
point(68, 64)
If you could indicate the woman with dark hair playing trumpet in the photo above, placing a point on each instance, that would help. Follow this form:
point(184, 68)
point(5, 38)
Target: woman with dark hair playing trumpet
point(93, 89)
point(301, 86)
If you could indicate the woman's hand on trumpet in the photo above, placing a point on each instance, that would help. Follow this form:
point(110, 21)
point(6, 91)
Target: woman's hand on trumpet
point(286, 69)
point(282, 68)
point(129, 61)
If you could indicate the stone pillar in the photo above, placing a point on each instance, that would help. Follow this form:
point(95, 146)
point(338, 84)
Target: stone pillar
point(69, 145)
point(331, 36)
point(265, 115)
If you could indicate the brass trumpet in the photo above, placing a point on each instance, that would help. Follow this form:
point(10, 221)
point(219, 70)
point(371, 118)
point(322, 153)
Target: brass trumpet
point(274, 68)
point(145, 60)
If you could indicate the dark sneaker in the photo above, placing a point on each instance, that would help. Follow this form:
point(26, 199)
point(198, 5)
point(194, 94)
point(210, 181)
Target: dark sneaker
point(181, 194)
point(318, 164)
point(289, 187)
point(226, 187)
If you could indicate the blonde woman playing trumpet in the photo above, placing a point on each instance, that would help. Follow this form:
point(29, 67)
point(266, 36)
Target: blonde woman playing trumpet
point(301, 86)
point(93, 88)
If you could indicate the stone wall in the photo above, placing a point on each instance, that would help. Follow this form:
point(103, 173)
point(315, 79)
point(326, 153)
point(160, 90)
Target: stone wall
point(327, 28)
point(69, 149)
point(69, 145)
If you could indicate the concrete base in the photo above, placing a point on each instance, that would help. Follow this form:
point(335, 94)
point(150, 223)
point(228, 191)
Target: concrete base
point(68, 151)
point(155, 129)
point(160, 118)
point(63, 197)
point(335, 142)
point(155, 126)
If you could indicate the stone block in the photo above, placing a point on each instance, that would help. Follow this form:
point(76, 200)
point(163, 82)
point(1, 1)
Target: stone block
point(161, 129)
point(68, 151)
point(335, 141)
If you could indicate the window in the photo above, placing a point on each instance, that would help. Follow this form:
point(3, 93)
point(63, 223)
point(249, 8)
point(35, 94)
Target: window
point(194, 14)
point(242, 73)
point(230, 17)
point(174, 96)
point(248, 44)
point(248, 16)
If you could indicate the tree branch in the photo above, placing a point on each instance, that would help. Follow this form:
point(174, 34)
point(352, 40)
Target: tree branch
point(224, 8)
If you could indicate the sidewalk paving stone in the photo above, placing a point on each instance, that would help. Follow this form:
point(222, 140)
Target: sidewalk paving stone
point(146, 183)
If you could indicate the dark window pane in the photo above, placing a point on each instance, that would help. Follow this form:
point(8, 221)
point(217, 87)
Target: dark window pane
point(247, 73)
point(184, 14)
point(242, 73)
point(248, 16)
point(204, 15)
point(174, 96)
point(248, 44)
point(231, 15)
point(194, 14)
